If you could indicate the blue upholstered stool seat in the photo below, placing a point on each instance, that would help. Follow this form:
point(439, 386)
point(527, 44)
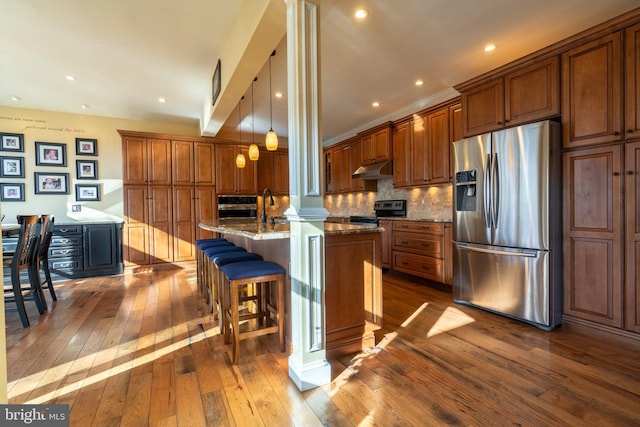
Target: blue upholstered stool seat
point(265, 277)
point(215, 239)
point(206, 245)
point(217, 250)
point(249, 269)
point(232, 257)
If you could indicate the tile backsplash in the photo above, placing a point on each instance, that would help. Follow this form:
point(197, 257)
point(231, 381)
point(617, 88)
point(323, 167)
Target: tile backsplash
point(433, 202)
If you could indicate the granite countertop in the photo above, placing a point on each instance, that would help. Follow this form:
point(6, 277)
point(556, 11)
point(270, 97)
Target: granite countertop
point(400, 218)
point(280, 230)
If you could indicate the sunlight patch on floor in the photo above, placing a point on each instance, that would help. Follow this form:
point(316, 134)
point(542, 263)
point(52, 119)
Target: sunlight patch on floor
point(451, 318)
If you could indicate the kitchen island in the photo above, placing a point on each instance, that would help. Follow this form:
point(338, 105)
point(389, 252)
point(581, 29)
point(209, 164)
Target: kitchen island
point(353, 276)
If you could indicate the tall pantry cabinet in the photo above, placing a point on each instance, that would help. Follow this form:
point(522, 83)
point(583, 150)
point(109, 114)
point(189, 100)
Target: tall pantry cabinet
point(169, 188)
point(601, 118)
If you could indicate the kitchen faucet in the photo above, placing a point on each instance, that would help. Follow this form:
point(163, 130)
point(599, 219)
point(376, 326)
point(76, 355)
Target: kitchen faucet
point(263, 217)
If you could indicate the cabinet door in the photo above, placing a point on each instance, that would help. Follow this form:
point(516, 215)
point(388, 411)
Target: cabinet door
point(266, 171)
point(402, 155)
point(134, 160)
point(205, 168)
point(386, 243)
point(281, 172)
point(182, 162)
point(419, 152)
point(160, 224)
point(382, 144)
point(632, 82)
point(100, 242)
point(206, 210)
point(159, 161)
point(184, 232)
point(248, 176)
point(593, 234)
point(368, 149)
point(136, 229)
point(437, 125)
point(225, 158)
point(532, 93)
point(357, 184)
point(632, 199)
point(328, 171)
point(592, 93)
point(483, 108)
point(455, 123)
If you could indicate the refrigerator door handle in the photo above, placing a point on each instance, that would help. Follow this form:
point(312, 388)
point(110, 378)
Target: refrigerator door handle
point(495, 190)
point(514, 252)
point(487, 192)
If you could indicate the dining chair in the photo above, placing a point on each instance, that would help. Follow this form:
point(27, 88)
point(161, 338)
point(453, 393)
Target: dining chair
point(40, 261)
point(18, 291)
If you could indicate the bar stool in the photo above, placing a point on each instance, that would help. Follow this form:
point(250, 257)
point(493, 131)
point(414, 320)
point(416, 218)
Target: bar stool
point(216, 280)
point(202, 244)
point(40, 263)
point(208, 268)
point(263, 274)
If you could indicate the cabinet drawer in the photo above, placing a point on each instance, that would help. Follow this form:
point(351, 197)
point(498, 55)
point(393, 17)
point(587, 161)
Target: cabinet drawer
point(63, 251)
point(419, 265)
point(66, 264)
point(424, 244)
point(66, 240)
point(419, 227)
point(62, 229)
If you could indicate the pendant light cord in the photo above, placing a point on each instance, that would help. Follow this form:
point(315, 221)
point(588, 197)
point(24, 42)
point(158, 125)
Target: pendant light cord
point(270, 94)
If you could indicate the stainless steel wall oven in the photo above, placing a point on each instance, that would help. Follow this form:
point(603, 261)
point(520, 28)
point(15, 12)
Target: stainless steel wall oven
point(230, 206)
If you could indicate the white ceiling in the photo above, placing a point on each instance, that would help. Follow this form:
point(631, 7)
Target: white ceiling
point(126, 54)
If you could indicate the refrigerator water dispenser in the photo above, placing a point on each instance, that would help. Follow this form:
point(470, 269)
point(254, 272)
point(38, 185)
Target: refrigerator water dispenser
point(466, 190)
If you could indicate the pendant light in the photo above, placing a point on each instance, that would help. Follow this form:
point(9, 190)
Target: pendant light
point(271, 141)
point(240, 160)
point(254, 153)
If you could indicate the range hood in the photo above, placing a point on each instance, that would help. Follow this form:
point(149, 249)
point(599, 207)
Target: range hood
point(378, 170)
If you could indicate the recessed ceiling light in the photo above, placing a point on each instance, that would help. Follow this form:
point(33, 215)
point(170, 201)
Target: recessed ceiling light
point(16, 98)
point(375, 104)
point(489, 47)
point(84, 106)
point(278, 94)
point(419, 82)
point(162, 100)
point(361, 13)
point(70, 78)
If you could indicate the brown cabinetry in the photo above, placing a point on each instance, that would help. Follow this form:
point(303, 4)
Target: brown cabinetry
point(421, 150)
point(592, 92)
point(592, 227)
point(341, 160)
point(418, 249)
point(273, 171)
point(632, 232)
point(386, 259)
point(231, 179)
point(520, 96)
point(376, 144)
point(632, 82)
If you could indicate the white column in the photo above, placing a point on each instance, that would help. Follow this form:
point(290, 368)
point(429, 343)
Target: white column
point(308, 366)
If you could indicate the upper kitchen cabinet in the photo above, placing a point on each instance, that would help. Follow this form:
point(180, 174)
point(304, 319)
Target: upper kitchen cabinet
point(273, 172)
point(592, 92)
point(376, 144)
point(438, 147)
point(402, 135)
point(146, 160)
point(521, 95)
point(182, 162)
point(204, 157)
point(231, 179)
point(341, 160)
point(456, 131)
point(632, 82)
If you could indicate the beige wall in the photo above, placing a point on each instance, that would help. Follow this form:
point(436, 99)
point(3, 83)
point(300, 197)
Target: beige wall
point(47, 126)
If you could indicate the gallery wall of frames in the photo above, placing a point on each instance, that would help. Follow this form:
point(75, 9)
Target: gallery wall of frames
point(57, 178)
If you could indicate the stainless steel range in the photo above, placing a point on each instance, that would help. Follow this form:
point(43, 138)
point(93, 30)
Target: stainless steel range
point(383, 209)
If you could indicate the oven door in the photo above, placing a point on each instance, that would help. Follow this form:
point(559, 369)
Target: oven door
point(237, 207)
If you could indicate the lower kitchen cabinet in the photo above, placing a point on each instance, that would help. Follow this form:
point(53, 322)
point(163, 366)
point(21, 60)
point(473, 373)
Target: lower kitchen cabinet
point(386, 242)
point(85, 250)
point(418, 249)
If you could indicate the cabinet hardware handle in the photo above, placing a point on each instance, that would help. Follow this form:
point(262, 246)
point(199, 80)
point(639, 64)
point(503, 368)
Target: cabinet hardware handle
point(426, 268)
point(404, 242)
point(63, 230)
point(507, 121)
point(616, 174)
point(630, 173)
point(629, 130)
point(405, 263)
point(499, 122)
point(616, 133)
point(426, 245)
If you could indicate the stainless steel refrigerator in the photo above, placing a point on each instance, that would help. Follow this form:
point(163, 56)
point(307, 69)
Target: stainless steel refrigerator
point(507, 225)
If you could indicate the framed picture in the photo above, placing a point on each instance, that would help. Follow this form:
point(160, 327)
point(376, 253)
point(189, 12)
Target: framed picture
point(87, 193)
point(215, 84)
point(11, 167)
point(12, 192)
point(11, 142)
point(51, 183)
point(86, 147)
point(51, 154)
point(87, 169)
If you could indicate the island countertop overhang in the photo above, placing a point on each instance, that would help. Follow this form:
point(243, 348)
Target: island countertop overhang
point(257, 230)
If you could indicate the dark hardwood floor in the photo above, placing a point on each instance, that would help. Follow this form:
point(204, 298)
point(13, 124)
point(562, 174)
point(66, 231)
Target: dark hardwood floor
point(140, 349)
